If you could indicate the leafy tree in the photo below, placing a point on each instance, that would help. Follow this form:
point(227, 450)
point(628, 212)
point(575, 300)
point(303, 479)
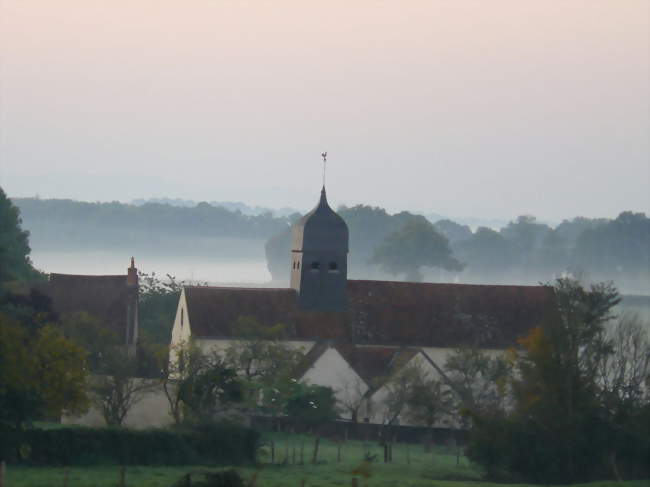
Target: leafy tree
point(487, 254)
point(618, 249)
point(41, 374)
point(210, 389)
point(399, 387)
point(259, 354)
point(180, 366)
point(311, 405)
point(415, 245)
point(157, 303)
point(560, 426)
point(14, 245)
point(453, 231)
point(428, 402)
point(479, 381)
point(90, 333)
point(278, 259)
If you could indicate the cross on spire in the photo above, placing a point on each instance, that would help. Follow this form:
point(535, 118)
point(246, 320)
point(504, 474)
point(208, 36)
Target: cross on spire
point(324, 156)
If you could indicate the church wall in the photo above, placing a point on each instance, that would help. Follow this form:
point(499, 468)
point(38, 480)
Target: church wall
point(181, 331)
point(332, 370)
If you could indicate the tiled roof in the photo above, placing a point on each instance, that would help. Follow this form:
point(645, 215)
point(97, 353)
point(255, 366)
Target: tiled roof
point(383, 313)
point(104, 297)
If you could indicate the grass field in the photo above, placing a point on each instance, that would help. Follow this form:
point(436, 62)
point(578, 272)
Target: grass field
point(411, 467)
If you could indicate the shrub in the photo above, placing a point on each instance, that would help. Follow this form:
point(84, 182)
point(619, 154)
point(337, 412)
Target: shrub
point(213, 445)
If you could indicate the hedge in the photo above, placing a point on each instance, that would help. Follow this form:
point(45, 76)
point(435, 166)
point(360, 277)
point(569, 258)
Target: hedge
point(209, 445)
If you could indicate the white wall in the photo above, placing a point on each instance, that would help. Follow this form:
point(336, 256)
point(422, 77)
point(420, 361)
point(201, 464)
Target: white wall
point(332, 370)
point(152, 411)
point(377, 411)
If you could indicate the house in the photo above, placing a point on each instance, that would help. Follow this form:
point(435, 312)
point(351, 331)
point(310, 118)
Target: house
point(112, 299)
point(354, 331)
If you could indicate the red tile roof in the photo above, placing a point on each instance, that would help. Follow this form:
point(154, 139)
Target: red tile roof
point(383, 313)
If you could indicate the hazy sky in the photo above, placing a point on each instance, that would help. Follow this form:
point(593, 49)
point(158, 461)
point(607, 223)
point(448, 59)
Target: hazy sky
point(466, 108)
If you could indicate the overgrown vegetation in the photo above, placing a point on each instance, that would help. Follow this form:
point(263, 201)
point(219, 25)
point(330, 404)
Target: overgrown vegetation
point(580, 397)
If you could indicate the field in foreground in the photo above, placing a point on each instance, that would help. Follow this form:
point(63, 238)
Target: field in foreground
point(411, 467)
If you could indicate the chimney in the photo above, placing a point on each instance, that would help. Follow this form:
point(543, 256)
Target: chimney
point(132, 275)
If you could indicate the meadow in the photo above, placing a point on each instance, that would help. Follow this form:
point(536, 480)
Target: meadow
point(412, 466)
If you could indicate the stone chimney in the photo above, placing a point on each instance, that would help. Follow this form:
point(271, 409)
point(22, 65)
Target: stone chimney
point(132, 307)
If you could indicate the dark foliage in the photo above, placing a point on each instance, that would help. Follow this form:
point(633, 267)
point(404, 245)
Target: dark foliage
point(14, 244)
point(566, 423)
point(210, 445)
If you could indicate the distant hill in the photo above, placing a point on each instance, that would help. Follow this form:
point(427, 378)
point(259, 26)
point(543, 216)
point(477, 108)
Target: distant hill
point(229, 205)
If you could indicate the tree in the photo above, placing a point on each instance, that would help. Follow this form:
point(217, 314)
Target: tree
point(210, 389)
point(399, 387)
point(116, 389)
point(479, 382)
point(157, 303)
point(259, 354)
point(415, 245)
point(428, 402)
point(559, 425)
point(311, 405)
point(453, 231)
point(14, 244)
point(41, 374)
point(89, 333)
point(487, 253)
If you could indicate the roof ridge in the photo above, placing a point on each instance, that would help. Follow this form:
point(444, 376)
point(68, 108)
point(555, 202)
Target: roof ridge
point(454, 284)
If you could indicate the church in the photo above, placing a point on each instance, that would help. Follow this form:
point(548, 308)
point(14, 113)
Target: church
point(353, 333)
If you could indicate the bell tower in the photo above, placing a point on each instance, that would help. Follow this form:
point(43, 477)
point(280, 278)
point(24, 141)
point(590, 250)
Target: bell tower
point(319, 259)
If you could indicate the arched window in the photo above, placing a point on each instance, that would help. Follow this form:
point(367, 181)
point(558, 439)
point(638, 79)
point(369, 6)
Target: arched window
point(182, 316)
point(294, 264)
point(298, 265)
point(315, 265)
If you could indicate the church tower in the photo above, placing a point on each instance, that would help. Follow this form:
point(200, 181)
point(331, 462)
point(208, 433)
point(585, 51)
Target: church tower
point(319, 259)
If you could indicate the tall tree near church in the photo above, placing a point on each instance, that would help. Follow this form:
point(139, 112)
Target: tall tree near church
point(417, 244)
point(14, 244)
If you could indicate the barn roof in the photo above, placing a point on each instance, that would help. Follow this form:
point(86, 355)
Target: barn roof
point(382, 313)
point(104, 297)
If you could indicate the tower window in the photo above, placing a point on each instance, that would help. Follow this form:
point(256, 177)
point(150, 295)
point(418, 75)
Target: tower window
point(315, 266)
point(294, 264)
point(298, 267)
point(334, 266)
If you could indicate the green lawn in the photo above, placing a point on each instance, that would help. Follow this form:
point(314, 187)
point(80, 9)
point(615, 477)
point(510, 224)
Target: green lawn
point(411, 467)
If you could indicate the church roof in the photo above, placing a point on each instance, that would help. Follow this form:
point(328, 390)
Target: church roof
point(104, 297)
point(321, 229)
point(383, 313)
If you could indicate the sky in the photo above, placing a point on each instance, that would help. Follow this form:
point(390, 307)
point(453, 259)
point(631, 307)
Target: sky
point(485, 109)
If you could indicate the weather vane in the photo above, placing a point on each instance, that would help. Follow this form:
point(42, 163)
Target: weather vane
point(324, 156)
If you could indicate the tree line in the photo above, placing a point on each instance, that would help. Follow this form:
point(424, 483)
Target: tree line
point(525, 251)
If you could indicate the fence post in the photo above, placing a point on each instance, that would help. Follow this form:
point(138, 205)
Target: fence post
point(302, 451)
point(3, 469)
point(272, 452)
point(66, 476)
point(122, 476)
point(314, 458)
